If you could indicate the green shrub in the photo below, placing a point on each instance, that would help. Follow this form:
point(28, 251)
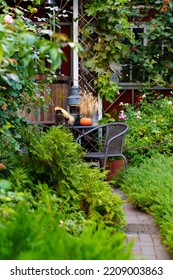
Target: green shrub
point(24, 52)
point(42, 234)
point(150, 186)
point(54, 206)
point(150, 128)
point(10, 198)
point(58, 158)
point(55, 159)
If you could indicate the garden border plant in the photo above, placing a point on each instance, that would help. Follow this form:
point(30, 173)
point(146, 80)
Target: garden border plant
point(150, 130)
point(42, 227)
point(149, 186)
point(52, 182)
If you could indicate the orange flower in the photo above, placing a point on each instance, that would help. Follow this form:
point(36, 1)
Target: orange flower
point(35, 10)
point(164, 8)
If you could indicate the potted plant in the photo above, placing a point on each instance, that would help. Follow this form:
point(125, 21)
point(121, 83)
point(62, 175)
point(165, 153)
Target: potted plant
point(114, 165)
point(88, 107)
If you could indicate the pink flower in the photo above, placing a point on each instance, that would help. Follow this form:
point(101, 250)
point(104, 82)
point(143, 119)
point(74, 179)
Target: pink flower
point(122, 116)
point(8, 19)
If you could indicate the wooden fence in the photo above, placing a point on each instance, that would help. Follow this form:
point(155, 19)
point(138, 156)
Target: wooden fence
point(59, 92)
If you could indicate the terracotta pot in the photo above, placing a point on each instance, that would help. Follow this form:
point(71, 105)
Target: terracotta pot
point(114, 166)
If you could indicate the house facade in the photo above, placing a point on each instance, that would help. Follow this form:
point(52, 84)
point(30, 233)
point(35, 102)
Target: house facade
point(73, 74)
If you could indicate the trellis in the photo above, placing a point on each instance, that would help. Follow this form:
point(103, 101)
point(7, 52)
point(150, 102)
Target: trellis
point(86, 77)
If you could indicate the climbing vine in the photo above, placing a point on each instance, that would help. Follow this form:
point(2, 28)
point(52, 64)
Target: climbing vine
point(152, 51)
point(148, 52)
point(105, 37)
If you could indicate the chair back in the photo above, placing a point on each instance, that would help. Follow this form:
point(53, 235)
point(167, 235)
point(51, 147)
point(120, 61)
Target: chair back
point(114, 138)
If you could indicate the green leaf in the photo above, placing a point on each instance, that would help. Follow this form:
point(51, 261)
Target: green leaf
point(13, 76)
point(53, 53)
point(28, 39)
point(1, 52)
point(5, 185)
point(28, 110)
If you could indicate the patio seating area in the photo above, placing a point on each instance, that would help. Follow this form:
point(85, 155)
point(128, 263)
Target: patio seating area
point(103, 142)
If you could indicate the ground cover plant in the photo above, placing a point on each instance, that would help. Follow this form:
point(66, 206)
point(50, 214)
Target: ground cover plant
point(150, 186)
point(50, 196)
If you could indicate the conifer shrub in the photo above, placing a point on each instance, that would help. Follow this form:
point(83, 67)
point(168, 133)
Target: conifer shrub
point(150, 186)
point(34, 235)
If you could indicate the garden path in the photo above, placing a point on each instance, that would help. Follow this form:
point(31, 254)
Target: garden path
point(142, 229)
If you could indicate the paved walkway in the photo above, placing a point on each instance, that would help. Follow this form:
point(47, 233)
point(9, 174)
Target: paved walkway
point(143, 230)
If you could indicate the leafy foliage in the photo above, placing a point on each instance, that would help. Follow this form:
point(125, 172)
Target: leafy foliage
point(25, 51)
point(36, 223)
point(150, 128)
point(110, 44)
point(150, 187)
point(42, 235)
point(105, 41)
point(55, 158)
point(154, 64)
point(48, 195)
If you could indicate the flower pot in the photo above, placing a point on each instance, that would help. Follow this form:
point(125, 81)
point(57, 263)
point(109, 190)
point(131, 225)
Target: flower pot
point(113, 166)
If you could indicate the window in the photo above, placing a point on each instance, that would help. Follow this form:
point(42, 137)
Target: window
point(130, 72)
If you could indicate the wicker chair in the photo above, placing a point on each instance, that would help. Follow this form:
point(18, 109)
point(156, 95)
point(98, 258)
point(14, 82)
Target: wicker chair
point(104, 141)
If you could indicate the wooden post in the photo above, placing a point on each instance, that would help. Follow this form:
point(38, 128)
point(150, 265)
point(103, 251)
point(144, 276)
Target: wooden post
point(75, 63)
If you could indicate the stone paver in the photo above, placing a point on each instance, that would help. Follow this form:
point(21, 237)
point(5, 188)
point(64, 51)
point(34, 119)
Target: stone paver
point(141, 228)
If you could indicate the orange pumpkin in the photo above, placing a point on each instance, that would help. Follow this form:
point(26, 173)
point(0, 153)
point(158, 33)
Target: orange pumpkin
point(86, 121)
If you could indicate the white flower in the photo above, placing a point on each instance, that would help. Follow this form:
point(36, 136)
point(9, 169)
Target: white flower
point(169, 102)
point(154, 121)
point(138, 115)
point(121, 104)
